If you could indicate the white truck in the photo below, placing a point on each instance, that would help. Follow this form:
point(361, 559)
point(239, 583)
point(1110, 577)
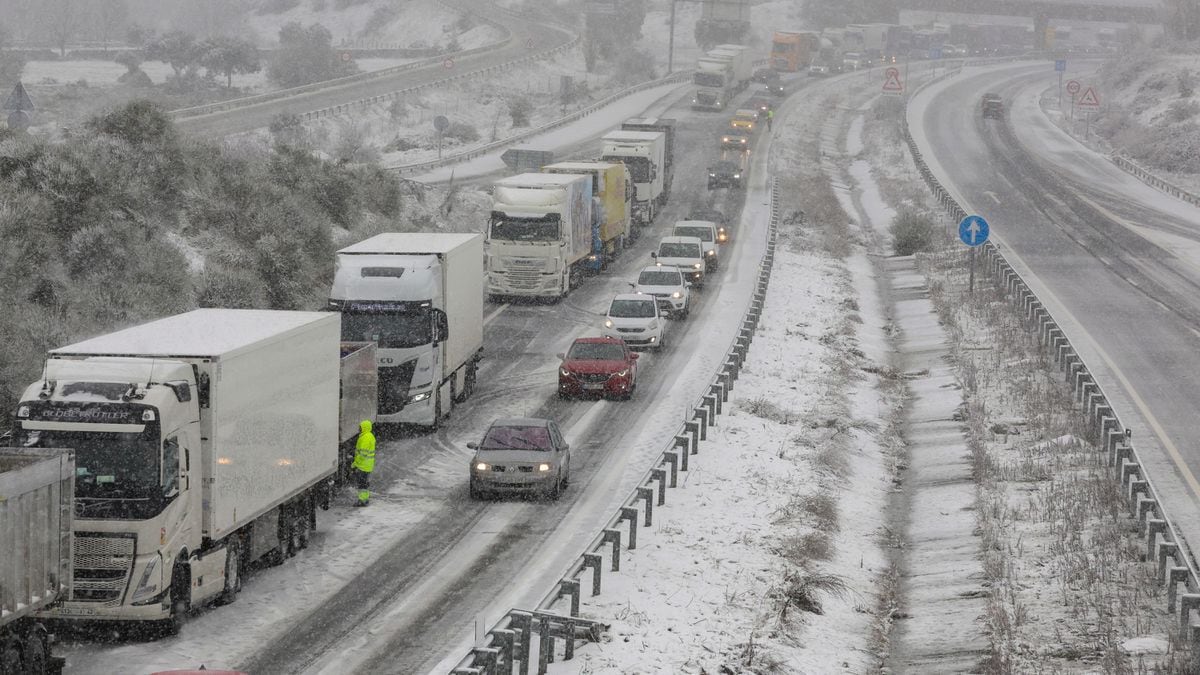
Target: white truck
point(612, 190)
point(540, 234)
point(644, 152)
point(419, 298)
point(741, 60)
point(36, 489)
point(714, 82)
point(203, 442)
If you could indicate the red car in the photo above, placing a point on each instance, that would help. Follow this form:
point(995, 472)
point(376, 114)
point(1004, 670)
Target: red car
point(603, 366)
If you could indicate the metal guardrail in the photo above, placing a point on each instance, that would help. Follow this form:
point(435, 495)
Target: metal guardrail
point(1143, 174)
point(509, 641)
point(1164, 544)
point(246, 101)
point(554, 124)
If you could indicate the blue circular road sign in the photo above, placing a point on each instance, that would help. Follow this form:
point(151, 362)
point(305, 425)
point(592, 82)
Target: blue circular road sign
point(973, 230)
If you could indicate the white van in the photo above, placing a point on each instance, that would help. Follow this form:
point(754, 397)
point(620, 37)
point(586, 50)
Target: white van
point(705, 231)
point(686, 253)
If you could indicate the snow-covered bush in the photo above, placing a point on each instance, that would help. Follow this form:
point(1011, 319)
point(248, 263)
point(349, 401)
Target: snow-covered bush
point(912, 232)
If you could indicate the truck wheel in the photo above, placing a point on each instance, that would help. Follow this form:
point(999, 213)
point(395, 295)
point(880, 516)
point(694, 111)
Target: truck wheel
point(233, 571)
point(180, 601)
point(468, 382)
point(35, 652)
point(10, 658)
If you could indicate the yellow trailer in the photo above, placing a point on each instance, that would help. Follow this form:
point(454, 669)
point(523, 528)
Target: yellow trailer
point(612, 189)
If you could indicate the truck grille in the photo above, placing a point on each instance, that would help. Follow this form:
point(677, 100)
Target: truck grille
point(103, 564)
point(394, 382)
point(525, 273)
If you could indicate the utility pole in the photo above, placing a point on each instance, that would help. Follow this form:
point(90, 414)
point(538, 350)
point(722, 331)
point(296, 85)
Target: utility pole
point(671, 42)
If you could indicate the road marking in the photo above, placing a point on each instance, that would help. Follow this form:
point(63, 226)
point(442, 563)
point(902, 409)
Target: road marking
point(992, 195)
point(491, 317)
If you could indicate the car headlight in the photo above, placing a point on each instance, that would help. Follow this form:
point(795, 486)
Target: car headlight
point(712, 175)
point(420, 397)
point(543, 467)
point(677, 295)
point(483, 466)
point(622, 373)
point(564, 372)
point(737, 175)
point(711, 253)
point(742, 140)
point(608, 323)
point(150, 582)
point(698, 266)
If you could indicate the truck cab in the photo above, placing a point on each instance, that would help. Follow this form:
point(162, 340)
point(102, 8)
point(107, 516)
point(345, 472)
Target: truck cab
point(686, 253)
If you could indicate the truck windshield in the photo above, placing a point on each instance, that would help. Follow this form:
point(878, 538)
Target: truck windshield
point(388, 326)
point(632, 309)
point(514, 228)
point(709, 79)
point(669, 250)
point(117, 475)
point(701, 233)
point(639, 167)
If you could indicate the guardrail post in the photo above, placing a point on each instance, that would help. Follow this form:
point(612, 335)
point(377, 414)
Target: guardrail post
point(660, 475)
point(629, 513)
point(710, 401)
point(723, 385)
point(693, 427)
point(545, 644)
point(647, 495)
point(1154, 527)
point(522, 623)
point(593, 560)
point(1187, 602)
point(672, 458)
point(1178, 575)
point(614, 536)
point(717, 393)
point(570, 588)
point(1166, 551)
point(568, 637)
point(1121, 454)
point(681, 443)
point(507, 640)
point(702, 415)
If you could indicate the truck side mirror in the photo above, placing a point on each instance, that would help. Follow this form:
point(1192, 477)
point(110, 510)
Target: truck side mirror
point(654, 254)
point(441, 326)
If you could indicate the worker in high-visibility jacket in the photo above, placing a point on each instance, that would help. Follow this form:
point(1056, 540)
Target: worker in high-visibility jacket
point(770, 118)
point(364, 461)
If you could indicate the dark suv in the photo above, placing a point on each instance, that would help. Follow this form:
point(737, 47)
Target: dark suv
point(725, 174)
point(992, 106)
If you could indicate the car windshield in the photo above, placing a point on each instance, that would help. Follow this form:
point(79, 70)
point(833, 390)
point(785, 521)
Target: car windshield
point(712, 216)
point(596, 351)
point(659, 278)
point(632, 309)
point(701, 233)
point(516, 438)
point(679, 250)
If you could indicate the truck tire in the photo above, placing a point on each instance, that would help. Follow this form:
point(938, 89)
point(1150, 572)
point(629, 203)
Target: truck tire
point(36, 651)
point(233, 571)
point(468, 388)
point(181, 584)
point(10, 657)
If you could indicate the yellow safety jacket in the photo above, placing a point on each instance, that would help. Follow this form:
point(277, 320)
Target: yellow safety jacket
point(364, 450)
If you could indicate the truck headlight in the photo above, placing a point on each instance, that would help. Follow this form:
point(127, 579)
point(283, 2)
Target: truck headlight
point(543, 467)
point(608, 323)
point(711, 252)
point(150, 582)
point(698, 266)
point(23, 412)
point(737, 175)
point(482, 466)
point(677, 295)
point(419, 397)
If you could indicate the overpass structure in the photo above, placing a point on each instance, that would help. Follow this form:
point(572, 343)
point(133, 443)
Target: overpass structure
point(1042, 11)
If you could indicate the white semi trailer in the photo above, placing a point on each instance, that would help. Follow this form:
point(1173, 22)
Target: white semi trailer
point(203, 441)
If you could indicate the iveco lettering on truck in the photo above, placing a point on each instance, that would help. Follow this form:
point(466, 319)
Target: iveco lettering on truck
point(612, 190)
point(540, 234)
point(644, 152)
point(203, 442)
point(419, 298)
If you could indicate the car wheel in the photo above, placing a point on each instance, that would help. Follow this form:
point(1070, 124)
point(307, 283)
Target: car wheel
point(556, 489)
point(474, 490)
point(566, 481)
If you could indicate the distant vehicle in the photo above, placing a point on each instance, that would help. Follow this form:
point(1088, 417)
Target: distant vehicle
point(766, 75)
point(793, 50)
point(724, 173)
point(705, 232)
point(762, 104)
point(637, 320)
point(818, 70)
point(736, 137)
point(669, 287)
point(686, 253)
point(521, 454)
point(724, 229)
point(745, 117)
point(992, 106)
point(603, 366)
point(774, 89)
point(853, 61)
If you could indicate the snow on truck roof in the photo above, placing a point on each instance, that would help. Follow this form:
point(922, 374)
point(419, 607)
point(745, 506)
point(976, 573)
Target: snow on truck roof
point(199, 333)
point(618, 135)
point(536, 180)
point(412, 243)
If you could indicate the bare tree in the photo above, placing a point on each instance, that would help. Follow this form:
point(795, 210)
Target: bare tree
point(62, 21)
point(112, 18)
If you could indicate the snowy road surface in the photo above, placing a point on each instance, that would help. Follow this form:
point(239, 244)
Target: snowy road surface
point(399, 586)
point(526, 39)
point(1115, 261)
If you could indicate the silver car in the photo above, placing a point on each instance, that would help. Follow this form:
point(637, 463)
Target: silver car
point(521, 454)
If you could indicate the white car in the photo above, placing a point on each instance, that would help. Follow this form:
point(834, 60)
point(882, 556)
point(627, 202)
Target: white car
point(686, 253)
point(669, 288)
point(636, 319)
point(706, 232)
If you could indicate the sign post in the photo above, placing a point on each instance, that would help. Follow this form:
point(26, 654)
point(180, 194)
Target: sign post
point(1060, 65)
point(1089, 102)
point(440, 124)
point(1072, 89)
point(973, 231)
